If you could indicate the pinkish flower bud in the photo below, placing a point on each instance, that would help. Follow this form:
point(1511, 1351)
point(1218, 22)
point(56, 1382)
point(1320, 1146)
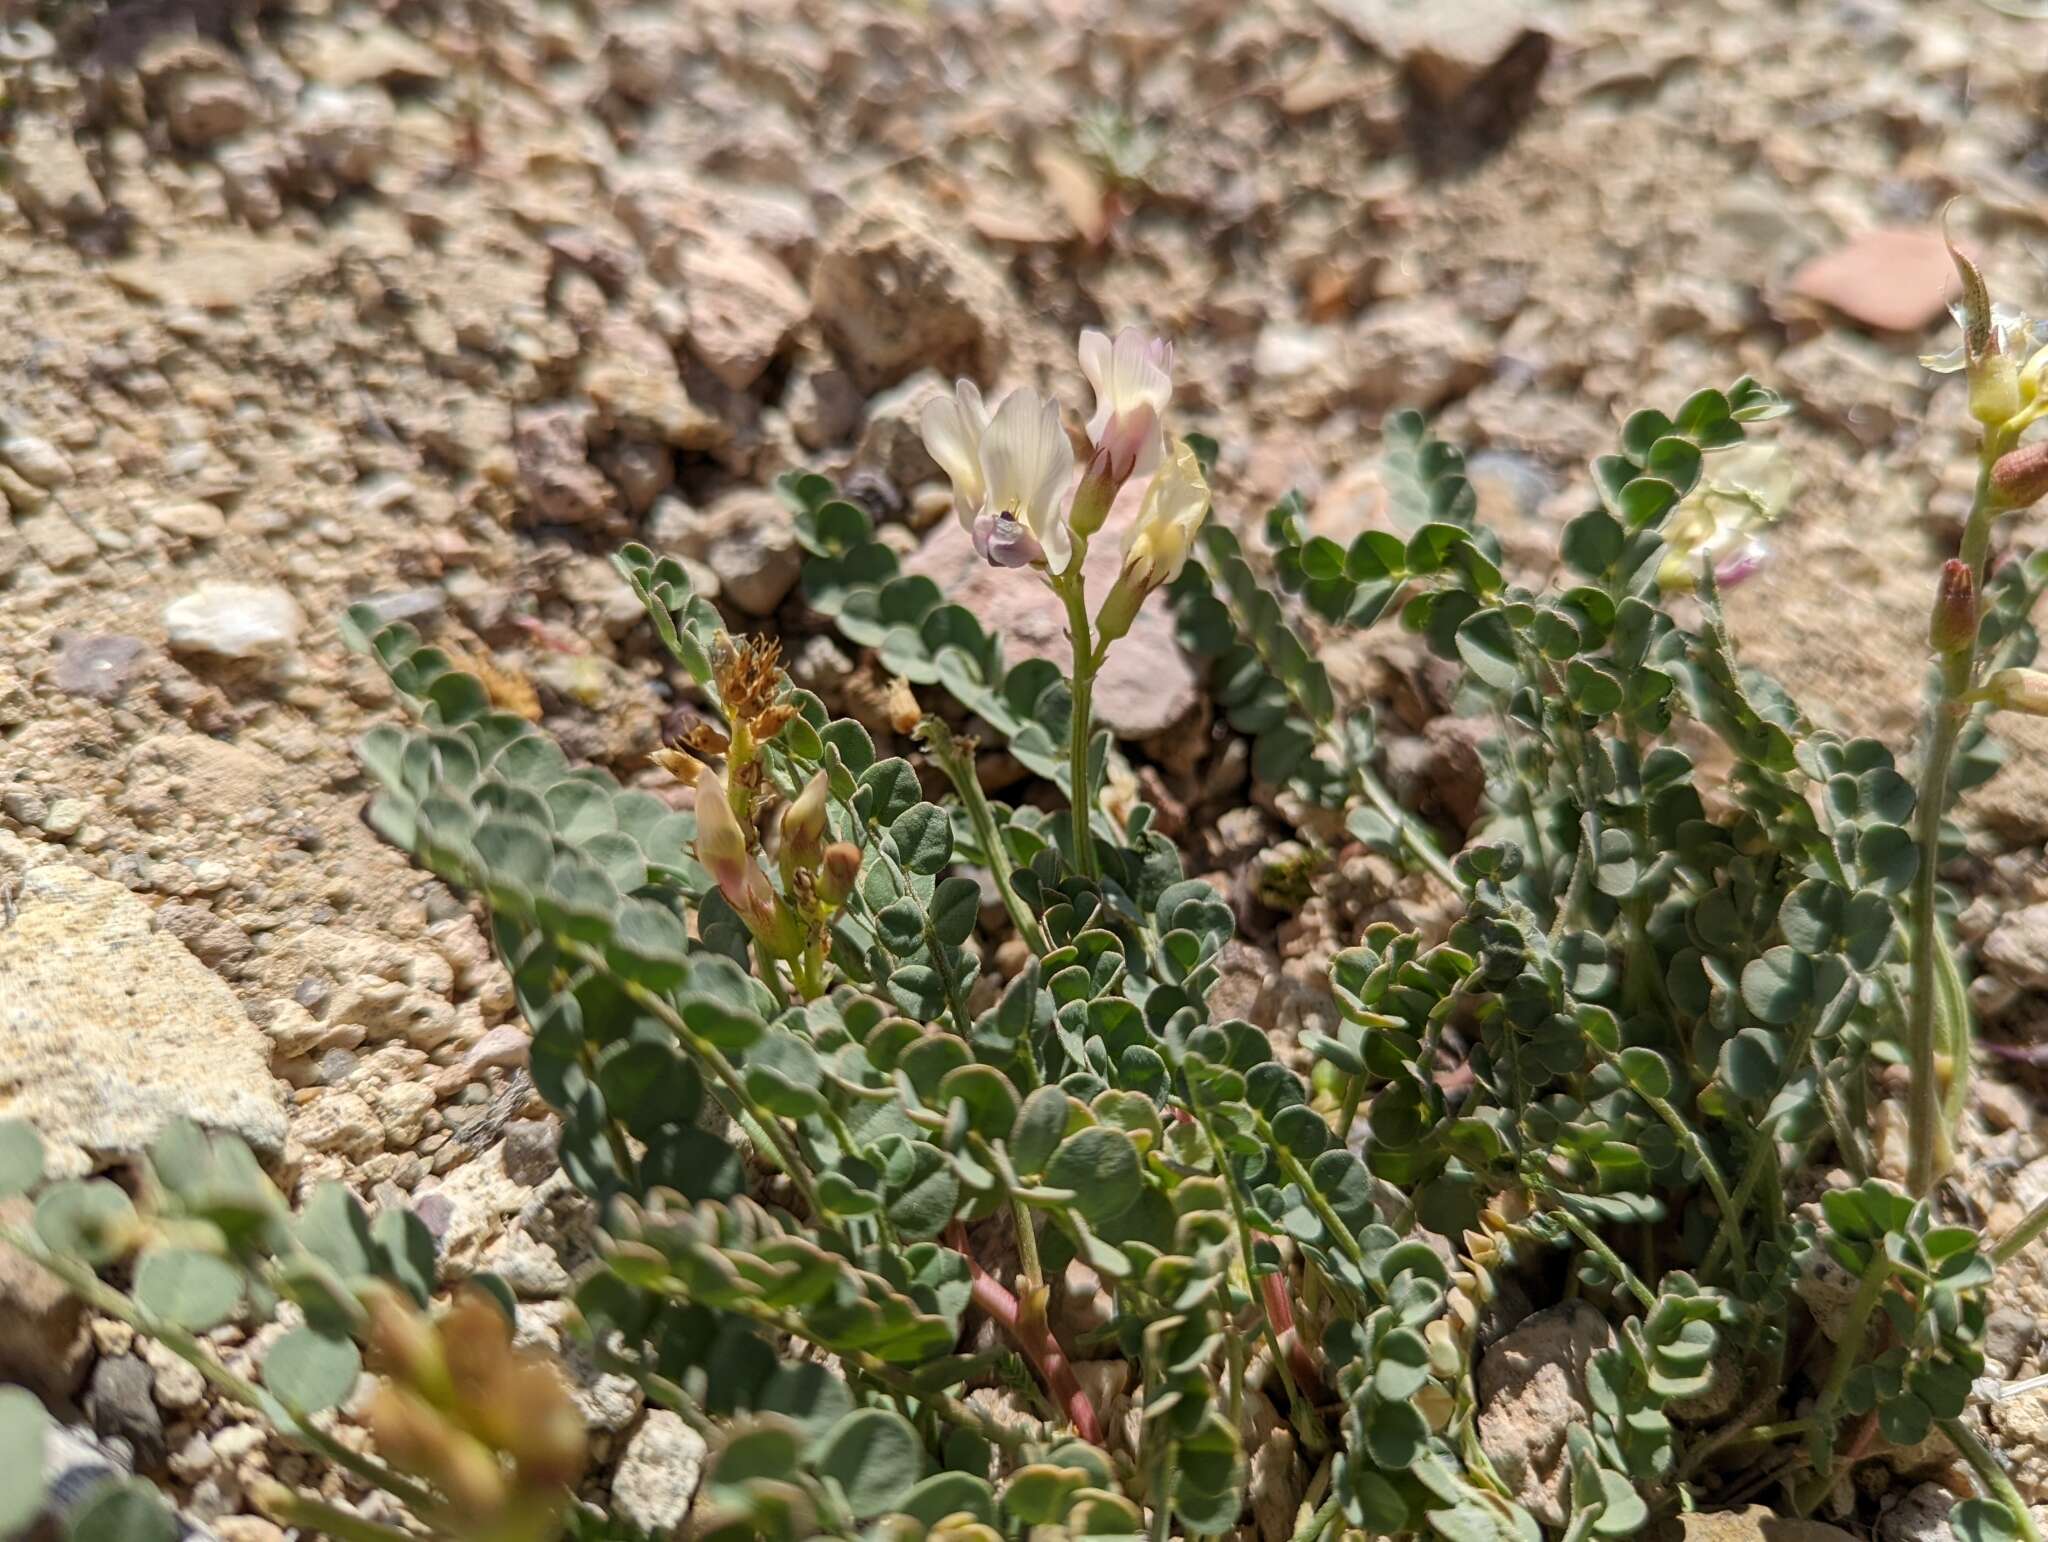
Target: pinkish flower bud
point(722, 844)
point(1743, 565)
point(1953, 626)
point(838, 873)
point(2019, 477)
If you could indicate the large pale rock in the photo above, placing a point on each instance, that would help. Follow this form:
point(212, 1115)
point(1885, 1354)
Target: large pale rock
point(1145, 688)
point(739, 306)
point(1755, 1524)
point(234, 621)
point(893, 297)
point(109, 1028)
point(1532, 1389)
point(659, 1473)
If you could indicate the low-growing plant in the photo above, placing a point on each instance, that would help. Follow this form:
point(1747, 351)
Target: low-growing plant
point(1638, 1071)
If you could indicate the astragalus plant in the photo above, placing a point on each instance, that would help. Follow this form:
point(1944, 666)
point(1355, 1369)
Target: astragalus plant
point(1635, 1080)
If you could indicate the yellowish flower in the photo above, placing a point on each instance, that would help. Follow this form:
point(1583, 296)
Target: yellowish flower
point(1157, 544)
point(1741, 493)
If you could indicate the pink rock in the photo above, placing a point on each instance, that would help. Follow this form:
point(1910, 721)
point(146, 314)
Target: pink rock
point(1147, 685)
point(1893, 280)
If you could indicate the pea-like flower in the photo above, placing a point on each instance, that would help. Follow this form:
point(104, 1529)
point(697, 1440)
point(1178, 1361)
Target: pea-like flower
point(1009, 473)
point(1133, 381)
point(1722, 519)
point(1157, 544)
point(722, 849)
point(953, 426)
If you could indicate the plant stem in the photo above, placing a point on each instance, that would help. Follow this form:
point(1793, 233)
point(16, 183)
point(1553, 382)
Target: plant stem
point(1162, 1476)
point(1990, 1474)
point(1420, 843)
point(1032, 1334)
point(1271, 1293)
point(104, 1298)
point(1607, 1256)
point(1087, 660)
point(1312, 1529)
point(1848, 1352)
point(785, 1154)
point(959, 768)
point(2014, 1242)
point(1697, 1150)
point(317, 1518)
point(1928, 1147)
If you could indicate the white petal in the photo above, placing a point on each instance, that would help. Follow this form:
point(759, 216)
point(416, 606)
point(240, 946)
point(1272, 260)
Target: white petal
point(1097, 358)
point(1024, 450)
point(952, 433)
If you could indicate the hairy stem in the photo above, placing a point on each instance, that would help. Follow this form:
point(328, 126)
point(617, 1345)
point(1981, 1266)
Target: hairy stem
point(1990, 1474)
point(1848, 1353)
point(2014, 1242)
point(959, 768)
point(1072, 589)
point(1927, 1143)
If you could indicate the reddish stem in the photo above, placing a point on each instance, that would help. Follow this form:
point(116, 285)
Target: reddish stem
point(1037, 1340)
point(1280, 1312)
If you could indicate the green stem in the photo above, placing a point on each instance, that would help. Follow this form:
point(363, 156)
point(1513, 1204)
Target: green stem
point(1928, 1152)
point(1162, 1473)
point(105, 1299)
point(1420, 843)
point(316, 1518)
point(959, 769)
point(1594, 1244)
point(1073, 590)
point(1991, 1475)
point(785, 1154)
point(1312, 1529)
point(1848, 1354)
point(1697, 1150)
point(2014, 1242)
point(1300, 1412)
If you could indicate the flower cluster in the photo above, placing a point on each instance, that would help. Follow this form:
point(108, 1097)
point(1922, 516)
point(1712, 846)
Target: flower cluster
point(736, 809)
point(1013, 473)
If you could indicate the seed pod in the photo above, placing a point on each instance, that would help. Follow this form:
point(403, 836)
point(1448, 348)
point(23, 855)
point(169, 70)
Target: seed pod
point(2019, 477)
point(1953, 626)
point(1977, 333)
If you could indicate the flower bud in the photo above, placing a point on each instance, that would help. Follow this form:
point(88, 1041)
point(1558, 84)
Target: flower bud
point(803, 825)
point(403, 1343)
point(838, 873)
point(722, 844)
point(1953, 626)
point(2018, 690)
point(1994, 389)
point(2019, 477)
point(901, 705)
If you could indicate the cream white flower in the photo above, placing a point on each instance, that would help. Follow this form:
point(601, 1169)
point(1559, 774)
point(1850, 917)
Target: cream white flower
point(1133, 381)
point(1026, 460)
point(1156, 545)
point(1008, 473)
point(953, 426)
point(1741, 493)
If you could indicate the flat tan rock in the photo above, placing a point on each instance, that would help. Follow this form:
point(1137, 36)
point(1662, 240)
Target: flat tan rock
point(1893, 280)
point(109, 1029)
point(1755, 1524)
